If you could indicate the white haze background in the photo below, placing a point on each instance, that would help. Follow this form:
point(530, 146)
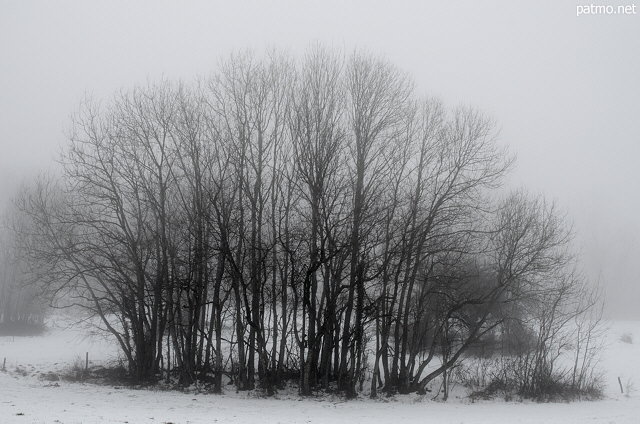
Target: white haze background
point(564, 89)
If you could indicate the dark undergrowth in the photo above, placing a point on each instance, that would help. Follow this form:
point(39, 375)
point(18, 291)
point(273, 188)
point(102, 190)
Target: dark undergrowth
point(496, 388)
point(551, 390)
point(22, 328)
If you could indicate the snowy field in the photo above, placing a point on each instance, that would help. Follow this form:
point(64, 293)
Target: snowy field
point(28, 396)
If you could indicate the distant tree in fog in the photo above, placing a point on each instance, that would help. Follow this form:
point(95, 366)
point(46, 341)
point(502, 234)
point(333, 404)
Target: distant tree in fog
point(21, 311)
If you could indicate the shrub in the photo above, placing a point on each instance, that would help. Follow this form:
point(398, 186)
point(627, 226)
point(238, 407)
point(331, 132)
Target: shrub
point(626, 338)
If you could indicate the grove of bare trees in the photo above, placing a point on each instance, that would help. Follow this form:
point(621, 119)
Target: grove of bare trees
point(310, 219)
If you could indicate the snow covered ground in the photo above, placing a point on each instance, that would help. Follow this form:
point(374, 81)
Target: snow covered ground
point(27, 396)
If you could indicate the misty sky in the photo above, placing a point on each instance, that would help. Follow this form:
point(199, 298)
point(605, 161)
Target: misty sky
point(564, 89)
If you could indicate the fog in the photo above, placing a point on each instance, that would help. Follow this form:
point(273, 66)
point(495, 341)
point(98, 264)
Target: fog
point(563, 88)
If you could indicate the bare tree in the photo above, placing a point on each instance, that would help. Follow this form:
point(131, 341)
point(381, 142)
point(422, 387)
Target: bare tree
point(318, 137)
point(21, 309)
point(378, 94)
